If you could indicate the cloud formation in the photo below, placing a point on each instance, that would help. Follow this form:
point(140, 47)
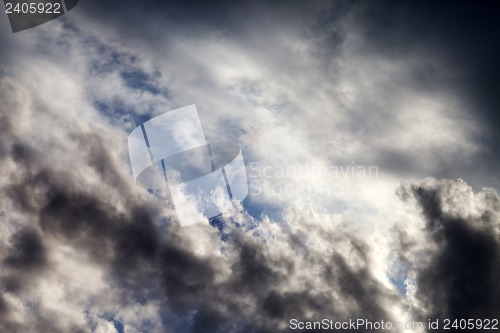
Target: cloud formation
point(453, 254)
point(83, 249)
point(78, 222)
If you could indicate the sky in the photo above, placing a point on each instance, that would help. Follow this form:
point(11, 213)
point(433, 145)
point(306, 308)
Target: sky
point(369, 132)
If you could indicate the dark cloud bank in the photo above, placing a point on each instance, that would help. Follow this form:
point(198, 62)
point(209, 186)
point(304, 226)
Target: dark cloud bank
point(147, 266)
point(460, 250)
point(460, 276)
point(458, 280)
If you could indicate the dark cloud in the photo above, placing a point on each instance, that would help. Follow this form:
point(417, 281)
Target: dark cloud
point(463, 38)
point(179, 17)
point(149, 267)
point(460, 276)
point(28, 252)
point(253, 286)
point(24, 263)
point(151, 264)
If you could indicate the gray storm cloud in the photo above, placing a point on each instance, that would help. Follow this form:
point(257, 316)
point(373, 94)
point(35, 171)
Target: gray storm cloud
point(83, 249)
point(255, 287)
point(453, 257)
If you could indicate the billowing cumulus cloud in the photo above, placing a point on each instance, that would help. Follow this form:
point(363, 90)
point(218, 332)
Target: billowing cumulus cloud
point(452, 254)
point(314, 93)
point(80, 247)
